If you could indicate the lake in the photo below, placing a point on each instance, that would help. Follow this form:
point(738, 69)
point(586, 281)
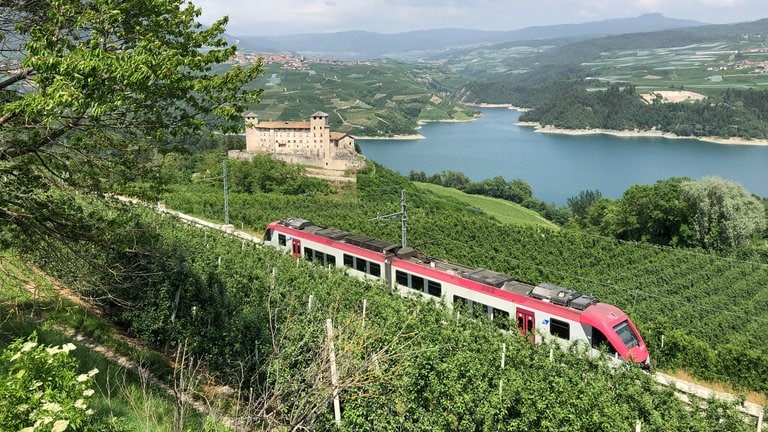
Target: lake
point(560, 166)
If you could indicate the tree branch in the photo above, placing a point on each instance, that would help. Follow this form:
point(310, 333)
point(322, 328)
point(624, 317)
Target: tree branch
point(16, 78)
point(16, 151)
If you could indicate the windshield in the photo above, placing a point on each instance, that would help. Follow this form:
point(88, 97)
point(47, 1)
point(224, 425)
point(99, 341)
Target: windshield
point(626, 334)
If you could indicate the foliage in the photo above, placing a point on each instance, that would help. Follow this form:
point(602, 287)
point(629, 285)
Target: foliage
point(92, 88)
point(725, 214)
point(40, 389)
point(710, 213)
point(619, 107)
point(403, 364)
point(581, 203)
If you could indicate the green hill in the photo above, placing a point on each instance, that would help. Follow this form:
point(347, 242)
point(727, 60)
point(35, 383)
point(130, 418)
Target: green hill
point(381, 98)
point(504, 211)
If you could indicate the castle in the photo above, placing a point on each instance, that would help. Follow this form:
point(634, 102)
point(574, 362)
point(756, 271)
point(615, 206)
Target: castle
point(307, 143)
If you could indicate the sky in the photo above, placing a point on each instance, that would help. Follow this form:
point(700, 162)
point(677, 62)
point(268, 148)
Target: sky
point(281, 17)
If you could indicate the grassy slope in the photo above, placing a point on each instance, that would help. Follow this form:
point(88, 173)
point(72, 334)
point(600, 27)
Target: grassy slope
point(38, 303)
point(504, 211)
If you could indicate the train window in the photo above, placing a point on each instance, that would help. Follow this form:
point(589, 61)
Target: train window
point(268, 235)
point(349, 260)
point(375, 269)
point(560, 329)
point(501, 319)
point(626, 334)
point(600, 341)
point(417, 283)
point(281, 239)
point(434, 288)
point(500, 314)
point(309, 254)
point(401, 277)
point(360, 264)
point(330, 260)
point(459, 302)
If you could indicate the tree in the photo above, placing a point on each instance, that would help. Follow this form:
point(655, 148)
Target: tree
point(91, 89)
point(725, 214)
point(655, 213)
point(580, 203)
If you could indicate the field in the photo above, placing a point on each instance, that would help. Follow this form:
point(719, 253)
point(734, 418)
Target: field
point(504, 211)
point(705, 68)
point(363, 99)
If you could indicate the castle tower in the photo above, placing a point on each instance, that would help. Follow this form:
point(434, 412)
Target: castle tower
point(320, 130)
point(251, 133)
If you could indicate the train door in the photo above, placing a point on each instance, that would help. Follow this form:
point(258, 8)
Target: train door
point(526, 323)
point(296, 243)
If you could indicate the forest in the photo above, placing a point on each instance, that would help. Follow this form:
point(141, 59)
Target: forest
point(738, 113)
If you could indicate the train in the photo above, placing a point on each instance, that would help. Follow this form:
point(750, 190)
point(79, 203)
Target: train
point(541, 311)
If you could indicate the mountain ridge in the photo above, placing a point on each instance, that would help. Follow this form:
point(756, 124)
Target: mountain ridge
point(364, 45)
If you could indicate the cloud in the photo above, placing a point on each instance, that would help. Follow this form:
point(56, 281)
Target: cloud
point(262, 17)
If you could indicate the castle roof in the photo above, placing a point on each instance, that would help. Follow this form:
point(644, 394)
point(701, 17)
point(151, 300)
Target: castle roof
point(283, 125)
point(319, 114)
point(335, 136)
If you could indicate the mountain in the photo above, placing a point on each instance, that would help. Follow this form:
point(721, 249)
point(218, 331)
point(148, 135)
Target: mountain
point(361, 45)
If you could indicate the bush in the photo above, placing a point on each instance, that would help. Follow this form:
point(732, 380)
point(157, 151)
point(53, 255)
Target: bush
point(40, 390)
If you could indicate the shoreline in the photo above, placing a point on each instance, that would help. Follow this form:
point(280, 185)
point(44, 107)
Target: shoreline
point(394, 137)
point(641, 134)
point(501, 105)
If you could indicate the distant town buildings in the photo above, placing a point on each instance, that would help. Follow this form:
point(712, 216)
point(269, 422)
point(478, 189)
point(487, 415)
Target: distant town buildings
point(303, 142)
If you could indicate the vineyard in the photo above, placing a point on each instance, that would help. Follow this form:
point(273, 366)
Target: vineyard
point(697, 311)
point(257, 319)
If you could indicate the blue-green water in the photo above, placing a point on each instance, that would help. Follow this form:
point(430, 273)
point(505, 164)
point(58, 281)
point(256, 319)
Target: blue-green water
point(560, 166)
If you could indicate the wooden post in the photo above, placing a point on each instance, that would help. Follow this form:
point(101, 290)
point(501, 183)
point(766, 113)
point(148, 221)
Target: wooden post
point(365, 304)
point(638, 426)
point(503, 361)
point(334, 373)
point(311, 302)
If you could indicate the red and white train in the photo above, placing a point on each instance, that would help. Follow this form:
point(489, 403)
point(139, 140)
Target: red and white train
point(539, 311)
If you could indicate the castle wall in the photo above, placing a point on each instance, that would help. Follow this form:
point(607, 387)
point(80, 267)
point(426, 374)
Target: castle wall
point(307, 143)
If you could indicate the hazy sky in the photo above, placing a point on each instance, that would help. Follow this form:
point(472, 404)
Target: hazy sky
point(279, 17)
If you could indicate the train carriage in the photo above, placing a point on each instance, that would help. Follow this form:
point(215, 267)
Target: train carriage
point(539, 311)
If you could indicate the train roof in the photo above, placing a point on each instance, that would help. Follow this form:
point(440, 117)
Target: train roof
point(545, 292)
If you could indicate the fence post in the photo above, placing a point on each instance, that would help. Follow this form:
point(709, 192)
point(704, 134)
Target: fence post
point(334, 373)
point(365, 304)
point(503, 361)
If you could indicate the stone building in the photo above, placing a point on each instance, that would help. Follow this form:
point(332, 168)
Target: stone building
point(303, 142)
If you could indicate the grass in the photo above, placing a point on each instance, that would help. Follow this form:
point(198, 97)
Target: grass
point(34, 302)
point(504, 211)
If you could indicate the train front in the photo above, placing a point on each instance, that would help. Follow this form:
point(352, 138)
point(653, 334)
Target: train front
point(612, 328)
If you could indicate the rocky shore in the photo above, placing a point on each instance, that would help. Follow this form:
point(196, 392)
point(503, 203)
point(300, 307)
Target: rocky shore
point(641, 133)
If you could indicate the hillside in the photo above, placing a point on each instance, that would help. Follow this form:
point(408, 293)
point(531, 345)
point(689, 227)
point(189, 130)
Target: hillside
point(382, 98)
point(504, 211)
point(234, 303)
